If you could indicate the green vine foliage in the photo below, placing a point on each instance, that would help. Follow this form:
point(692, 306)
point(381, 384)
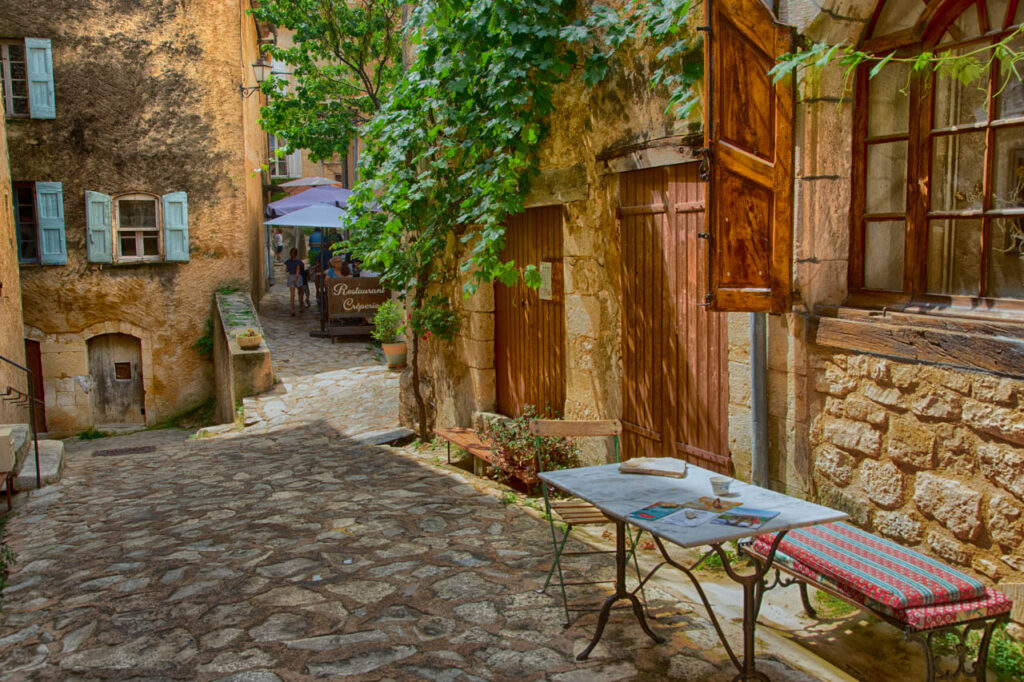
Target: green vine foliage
point(453, 149)
point(967, 67)
point(665, 25)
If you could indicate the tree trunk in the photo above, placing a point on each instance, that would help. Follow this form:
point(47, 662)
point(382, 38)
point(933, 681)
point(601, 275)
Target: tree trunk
point(421, 405)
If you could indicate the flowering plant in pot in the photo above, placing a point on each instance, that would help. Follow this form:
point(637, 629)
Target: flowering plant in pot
point(387, 325)
point(249, 339)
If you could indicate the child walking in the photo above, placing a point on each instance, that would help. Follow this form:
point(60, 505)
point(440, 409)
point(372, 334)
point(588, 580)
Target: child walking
point(294, 268)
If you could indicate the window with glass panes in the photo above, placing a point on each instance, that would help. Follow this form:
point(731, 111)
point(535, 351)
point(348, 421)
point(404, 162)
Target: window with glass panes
point(278, 164)
point(938, 208)
point(137, 227)
point(14, 77)
point(27, 228)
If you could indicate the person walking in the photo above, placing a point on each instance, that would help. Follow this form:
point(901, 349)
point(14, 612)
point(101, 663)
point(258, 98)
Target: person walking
point(294, 267)
point(278, 243)
point(304, 291)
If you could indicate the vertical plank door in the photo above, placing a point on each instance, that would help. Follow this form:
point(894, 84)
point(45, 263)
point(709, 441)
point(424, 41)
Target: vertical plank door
point(674, 350)
point(529, 333)
point(34, 361)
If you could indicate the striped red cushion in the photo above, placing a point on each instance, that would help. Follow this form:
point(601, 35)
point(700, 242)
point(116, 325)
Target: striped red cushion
point(881, 570)
point(993, 603)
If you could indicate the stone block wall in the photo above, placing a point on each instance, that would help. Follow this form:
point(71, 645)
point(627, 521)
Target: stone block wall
point(928, 456)
point(12, 344)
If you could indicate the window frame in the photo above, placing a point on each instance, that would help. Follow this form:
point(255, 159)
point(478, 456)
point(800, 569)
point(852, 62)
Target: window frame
point(31, 187)
point(115, 222)
point(5, 76)
point(917, 214)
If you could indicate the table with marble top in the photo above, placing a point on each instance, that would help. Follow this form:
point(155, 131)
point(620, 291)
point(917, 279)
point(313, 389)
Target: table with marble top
point(618, 495)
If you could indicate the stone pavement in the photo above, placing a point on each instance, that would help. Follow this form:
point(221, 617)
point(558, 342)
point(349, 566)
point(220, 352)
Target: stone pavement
point(288, 550)
point(344, 384)
point(293, 555)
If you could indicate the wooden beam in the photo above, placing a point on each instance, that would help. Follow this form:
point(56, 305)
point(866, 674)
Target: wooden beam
point(924, 344)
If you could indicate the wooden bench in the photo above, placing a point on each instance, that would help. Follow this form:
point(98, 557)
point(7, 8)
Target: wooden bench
point(469, 440)
point(915, 593)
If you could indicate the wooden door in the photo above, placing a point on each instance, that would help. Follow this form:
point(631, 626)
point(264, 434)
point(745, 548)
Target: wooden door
point(115, 364)
point(34, 362)
point(675, 363)
point(529, 325)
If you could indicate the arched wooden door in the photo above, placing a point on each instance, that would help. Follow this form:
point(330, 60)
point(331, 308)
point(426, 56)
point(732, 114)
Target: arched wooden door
point(675, 388)
point(529, 324)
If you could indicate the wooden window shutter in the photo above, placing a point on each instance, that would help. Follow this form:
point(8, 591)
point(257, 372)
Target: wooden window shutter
point(53, 248)
point(749, 135)
point(99, 244)
point(175, 210)
point(39, 67)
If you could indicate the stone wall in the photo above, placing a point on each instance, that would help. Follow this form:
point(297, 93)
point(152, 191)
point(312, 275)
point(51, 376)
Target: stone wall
point(147, 100)
point(620, 114)
point(931, 457)
point(12, 344)
point(238, 373)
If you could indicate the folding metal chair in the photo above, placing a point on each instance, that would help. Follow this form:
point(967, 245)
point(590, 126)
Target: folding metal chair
point(575, 512)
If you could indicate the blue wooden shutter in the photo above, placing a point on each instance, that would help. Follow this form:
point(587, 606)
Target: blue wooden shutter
point(39, 62)
point(53, 248)
point(98, 228)
point(175, 209)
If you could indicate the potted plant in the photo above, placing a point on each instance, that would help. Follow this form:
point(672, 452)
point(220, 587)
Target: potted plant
point(387, 324)
point(250, 339)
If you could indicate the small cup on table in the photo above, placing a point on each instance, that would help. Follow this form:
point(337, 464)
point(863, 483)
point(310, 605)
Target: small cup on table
point(720, 485)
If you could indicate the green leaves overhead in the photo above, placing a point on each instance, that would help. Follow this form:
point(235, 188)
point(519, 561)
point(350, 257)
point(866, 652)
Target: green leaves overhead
point(453, 149)
point(344, 60)
point(966, 67)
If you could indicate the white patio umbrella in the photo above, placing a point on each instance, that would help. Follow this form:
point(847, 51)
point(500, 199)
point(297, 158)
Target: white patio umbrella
point(316, 215)
point(313, 181)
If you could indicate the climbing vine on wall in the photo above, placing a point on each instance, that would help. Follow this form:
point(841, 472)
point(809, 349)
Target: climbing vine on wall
point(967, 67)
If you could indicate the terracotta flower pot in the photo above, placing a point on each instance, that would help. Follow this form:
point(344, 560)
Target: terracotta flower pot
point(395, 354)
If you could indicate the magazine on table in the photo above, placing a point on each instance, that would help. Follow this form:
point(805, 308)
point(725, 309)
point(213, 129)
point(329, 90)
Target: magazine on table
point(745, 517)
point(691, 513)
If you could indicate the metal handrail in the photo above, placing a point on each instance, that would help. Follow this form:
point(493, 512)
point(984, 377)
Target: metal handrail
point(32, 400)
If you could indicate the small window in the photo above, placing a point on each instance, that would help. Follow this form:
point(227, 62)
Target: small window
point(123, 371)
point(137, 227)
point(27, 227)
point(15, 79)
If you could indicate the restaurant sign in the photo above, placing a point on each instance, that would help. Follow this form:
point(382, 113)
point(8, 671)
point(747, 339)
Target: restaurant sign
point(354, 296)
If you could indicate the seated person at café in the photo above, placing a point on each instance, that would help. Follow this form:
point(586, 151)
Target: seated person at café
point(339, 268)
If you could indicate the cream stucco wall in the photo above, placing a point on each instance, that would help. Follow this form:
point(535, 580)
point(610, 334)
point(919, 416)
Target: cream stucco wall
point(147, 100)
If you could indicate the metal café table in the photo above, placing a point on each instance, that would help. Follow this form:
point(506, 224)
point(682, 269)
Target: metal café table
point(618, 495)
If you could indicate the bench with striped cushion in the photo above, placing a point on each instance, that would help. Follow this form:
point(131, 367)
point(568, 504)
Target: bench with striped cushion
point(881, 570)
point(904, 587)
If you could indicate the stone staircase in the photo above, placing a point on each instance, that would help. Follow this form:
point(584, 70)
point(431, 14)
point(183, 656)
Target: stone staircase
point(51, 457)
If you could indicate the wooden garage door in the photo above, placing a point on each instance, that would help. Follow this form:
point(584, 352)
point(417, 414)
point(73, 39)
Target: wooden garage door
point(529, 332)
point(675, 363)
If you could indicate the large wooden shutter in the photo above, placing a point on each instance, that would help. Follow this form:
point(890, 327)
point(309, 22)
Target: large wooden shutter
point(99, 246)
point(750, 142)
point(53, 248)
point(175, 208)
point(39, 70)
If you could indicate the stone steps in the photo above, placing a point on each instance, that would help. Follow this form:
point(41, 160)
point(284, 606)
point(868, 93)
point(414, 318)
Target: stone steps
point(51, 465)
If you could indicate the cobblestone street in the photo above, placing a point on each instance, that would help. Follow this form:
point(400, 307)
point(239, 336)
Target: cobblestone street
point(288, 550)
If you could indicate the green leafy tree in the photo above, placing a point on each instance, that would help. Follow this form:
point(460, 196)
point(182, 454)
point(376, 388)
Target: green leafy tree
point(452, 152)
point(345, 59)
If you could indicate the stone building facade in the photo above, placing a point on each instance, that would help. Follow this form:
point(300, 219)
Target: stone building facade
point(12, 345)
point(905, 411)
point(136, 196)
